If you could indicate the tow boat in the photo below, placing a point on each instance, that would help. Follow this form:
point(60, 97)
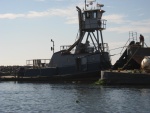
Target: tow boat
point(82, 60)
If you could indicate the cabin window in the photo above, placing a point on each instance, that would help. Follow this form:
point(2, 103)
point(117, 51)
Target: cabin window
point(87, 15)
point(95, 15)
point(83, 17)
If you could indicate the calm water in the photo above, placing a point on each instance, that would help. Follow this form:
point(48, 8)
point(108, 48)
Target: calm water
point(72, 98)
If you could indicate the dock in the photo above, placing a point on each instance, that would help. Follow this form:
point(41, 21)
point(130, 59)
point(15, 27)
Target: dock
point(125, 77)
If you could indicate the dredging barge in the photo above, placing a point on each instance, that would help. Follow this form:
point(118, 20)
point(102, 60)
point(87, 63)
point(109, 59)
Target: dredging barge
point(82, 60)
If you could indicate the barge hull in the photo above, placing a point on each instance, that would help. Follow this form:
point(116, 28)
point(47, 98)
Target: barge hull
point(89, 77)
point(125, 78)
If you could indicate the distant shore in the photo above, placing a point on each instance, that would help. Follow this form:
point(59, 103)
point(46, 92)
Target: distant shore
point(9, 70)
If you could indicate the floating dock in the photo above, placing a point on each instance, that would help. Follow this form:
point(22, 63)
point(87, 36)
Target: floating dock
point(126, 77)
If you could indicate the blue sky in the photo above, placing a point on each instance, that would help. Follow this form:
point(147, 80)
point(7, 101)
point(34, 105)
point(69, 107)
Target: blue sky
point(27, 26)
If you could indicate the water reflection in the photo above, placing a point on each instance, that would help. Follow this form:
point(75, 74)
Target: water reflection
point(73, 98)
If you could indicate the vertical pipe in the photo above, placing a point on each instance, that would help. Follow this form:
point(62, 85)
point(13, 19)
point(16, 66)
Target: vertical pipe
point(92, 41)
point(85, 4)
point(102, 40)
point(53, 47)
point(87, 37)
point(98, 40)
point(136, 36)
point(80, 20)
point(95, 40)
point(98, 46)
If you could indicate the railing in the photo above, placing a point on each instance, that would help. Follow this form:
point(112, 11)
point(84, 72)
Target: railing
point(132, 37)
point(103, 23)
point(91, 48)
point(38, 62)
point(105, 46)
point(66, 47)
point(94, 24)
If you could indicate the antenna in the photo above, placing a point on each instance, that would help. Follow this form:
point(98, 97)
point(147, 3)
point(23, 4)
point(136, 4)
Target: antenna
point(100, 5)
point(85, 4)
point(90, 2)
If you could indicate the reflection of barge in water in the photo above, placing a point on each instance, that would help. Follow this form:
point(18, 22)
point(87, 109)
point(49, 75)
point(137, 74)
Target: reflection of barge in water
point(87, 59)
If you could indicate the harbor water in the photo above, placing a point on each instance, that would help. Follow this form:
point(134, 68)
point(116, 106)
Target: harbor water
point(72, 98)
